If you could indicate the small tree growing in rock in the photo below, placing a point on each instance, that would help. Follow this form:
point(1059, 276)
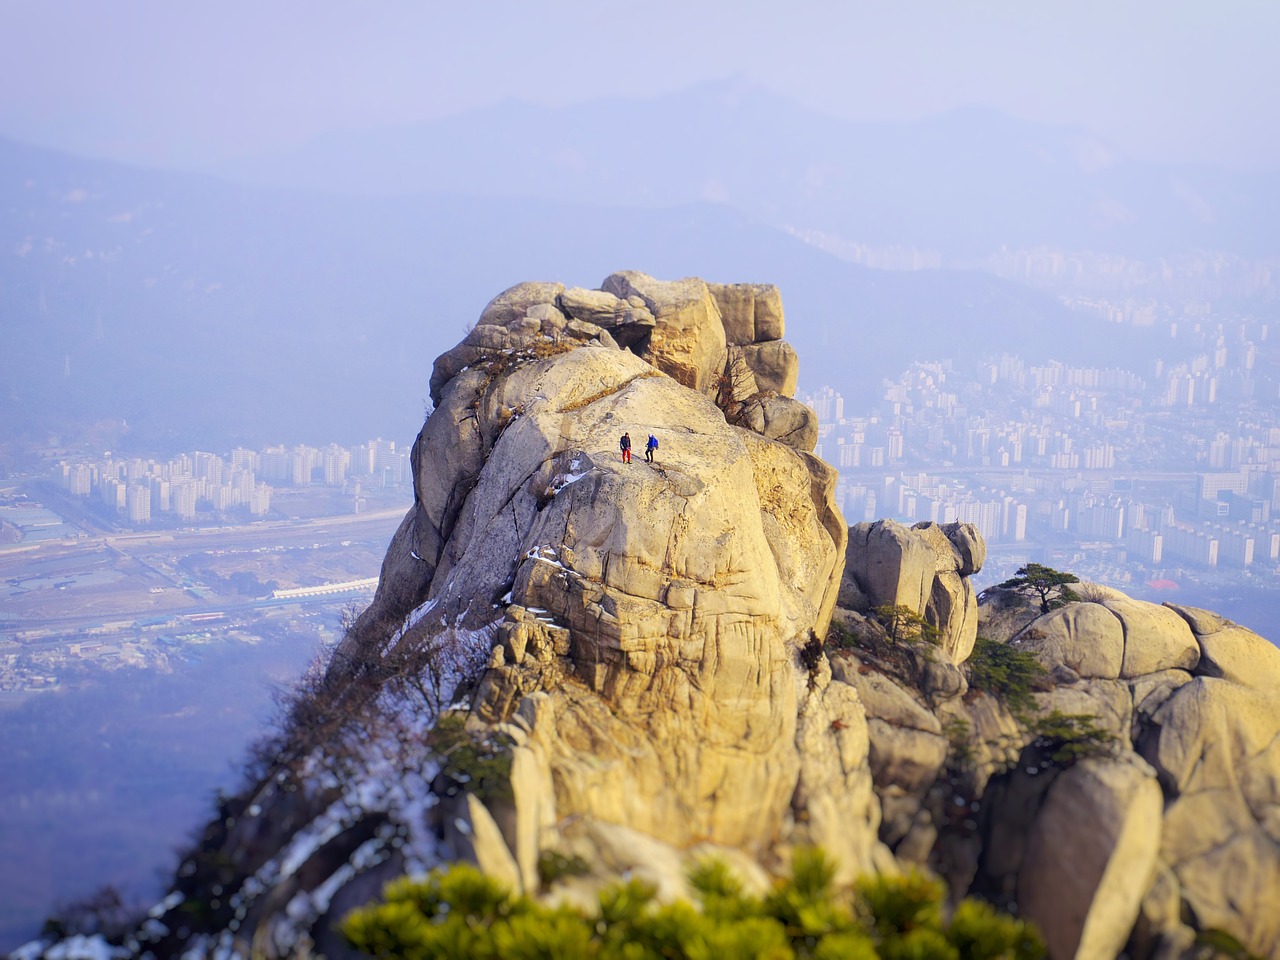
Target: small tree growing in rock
point(900, 622)
point(1008, 674)
point(1050, 586)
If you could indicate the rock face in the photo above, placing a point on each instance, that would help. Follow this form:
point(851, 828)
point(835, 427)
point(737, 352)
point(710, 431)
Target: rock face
point(1133, 807)
point(1091, 856)
point(1084, 637)
point(631, 667)
point(680, 591)
point(1215, 744)
point(1182, 835)
point(684, 588)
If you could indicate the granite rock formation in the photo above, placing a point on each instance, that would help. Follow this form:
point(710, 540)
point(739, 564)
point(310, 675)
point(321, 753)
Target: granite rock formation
point(627, 667)
point(924, 568)
point(1133, 808)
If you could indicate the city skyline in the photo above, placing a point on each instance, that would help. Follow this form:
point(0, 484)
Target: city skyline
point(135, 486)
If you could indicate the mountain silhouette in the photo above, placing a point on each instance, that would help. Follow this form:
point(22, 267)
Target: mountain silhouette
point(193, 310)
point(965, 182)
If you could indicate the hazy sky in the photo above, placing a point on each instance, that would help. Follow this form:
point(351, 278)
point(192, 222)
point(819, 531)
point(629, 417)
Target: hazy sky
point(172, 82)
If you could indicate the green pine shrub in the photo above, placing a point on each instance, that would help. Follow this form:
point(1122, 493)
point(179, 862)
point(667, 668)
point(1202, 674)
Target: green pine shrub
point(840, 637)
point(481, 764)
point(1047, 586)
point(902, 624)
point(981, 932)
point(1064, 738)
point(901, 904)
point(457, 912)
point(1007, 673)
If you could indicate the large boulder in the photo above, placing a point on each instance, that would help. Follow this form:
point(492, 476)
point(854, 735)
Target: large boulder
point(924, 568)
point(752, 312)
point(1216, 747)
point(515, 302)
point(1086, 637)
point(628, 321)
point(781, 418)
point(1231, 652)
point(959, 551)
point(688, 339)
point(1155, 638)
point(523, 320)
point(1114, 637)
point(1091, 855)
point(775, 364)
point(890, 564)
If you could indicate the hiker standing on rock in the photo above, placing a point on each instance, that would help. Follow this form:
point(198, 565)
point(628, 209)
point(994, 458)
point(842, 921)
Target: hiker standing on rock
point(649, 447)
point(625, 446)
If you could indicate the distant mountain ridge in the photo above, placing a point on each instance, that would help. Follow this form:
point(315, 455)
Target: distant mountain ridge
point(965, 182)
point(198, 311)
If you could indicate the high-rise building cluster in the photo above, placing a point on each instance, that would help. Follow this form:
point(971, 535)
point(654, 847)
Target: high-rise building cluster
point(1179, 464)
point(143, 488)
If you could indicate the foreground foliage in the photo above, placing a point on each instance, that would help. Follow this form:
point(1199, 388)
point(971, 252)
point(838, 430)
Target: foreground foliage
point(458, 912)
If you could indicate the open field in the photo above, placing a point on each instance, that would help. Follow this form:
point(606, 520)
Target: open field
point(125, 599)
point(142, 574)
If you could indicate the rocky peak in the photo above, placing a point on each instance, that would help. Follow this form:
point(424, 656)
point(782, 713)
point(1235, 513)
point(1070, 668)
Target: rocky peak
point(628, 667)
point(669, 600)
point(630, 652)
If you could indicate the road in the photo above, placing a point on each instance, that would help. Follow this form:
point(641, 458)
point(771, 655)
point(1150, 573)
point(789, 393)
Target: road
point(127, 619)
point(273, 532)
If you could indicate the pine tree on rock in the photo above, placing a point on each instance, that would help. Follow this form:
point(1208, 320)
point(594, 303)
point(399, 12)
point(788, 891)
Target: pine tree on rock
point(1046, 583)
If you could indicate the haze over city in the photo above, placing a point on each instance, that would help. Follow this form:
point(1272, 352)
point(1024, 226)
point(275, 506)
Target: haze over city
point(188, 86)
point(1028, 255)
